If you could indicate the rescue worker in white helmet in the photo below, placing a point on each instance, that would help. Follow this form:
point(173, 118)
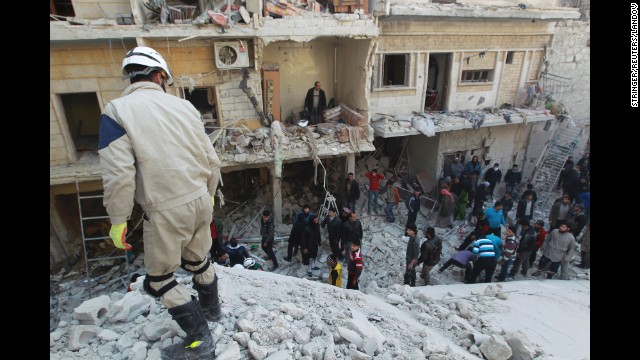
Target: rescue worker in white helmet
point(154, 151)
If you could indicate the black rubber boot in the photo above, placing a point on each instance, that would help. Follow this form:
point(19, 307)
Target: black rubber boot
point(198, 344)
point(209, 301)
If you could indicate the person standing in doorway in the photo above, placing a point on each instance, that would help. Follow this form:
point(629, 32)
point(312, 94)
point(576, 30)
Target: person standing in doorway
point(315, 102)
point(173, 176)
point(374, 189)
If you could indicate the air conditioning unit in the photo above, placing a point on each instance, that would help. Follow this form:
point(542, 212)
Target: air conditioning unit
point(232, 54)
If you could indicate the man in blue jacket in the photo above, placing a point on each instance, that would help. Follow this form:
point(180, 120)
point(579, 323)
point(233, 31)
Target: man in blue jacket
point(496, 218)
point(487, 251)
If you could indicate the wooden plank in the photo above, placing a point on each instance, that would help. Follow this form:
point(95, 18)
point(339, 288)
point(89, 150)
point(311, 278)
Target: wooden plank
point(426, 181)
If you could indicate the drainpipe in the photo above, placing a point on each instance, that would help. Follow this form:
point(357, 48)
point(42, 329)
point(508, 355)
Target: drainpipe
point(335, 73)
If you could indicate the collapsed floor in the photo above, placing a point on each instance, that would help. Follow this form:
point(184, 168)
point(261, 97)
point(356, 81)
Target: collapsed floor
point(384, 252)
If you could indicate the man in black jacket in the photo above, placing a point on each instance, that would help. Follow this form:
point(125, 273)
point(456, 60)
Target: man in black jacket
point(493, 176)
point(315, 102)
point(334, 227)
point(525, 246)
point(267, 231)
point(352, 192)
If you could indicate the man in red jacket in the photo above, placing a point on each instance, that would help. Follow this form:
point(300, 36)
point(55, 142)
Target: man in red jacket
point(542, 234)
point(355, 265)
point(374, 188)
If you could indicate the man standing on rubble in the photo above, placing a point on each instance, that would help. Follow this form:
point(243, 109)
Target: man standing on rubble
point(267, 232)
point(352, 192)
point(154, 151)
point(315, 102)
point(374, 189)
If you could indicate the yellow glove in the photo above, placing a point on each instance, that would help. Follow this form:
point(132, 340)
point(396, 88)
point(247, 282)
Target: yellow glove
point(213, 200)
point(117, 234)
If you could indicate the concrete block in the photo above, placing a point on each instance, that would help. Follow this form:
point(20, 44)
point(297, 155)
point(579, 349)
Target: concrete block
point(80, 336)
point(280, 355)
point(132, 305)
point(156, 329)
point(138, 351)
point(496, 348)
point(364, 328)
point(92, 311)
point(291, 309)
point(230, 352)
point(246, 325)
point(350, 335)
point(256, 351)
point(521, 347)
point(313, 350)
point(108, 335)
point(357, 355)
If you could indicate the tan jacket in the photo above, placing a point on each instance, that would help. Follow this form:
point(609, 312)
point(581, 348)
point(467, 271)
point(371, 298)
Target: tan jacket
point(154, 150)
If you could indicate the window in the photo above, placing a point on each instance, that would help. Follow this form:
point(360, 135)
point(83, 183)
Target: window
point(509, 57)
point(61, 7)
point(83, 118)
point(395, 70)
point(204, 100)
point(472, 76)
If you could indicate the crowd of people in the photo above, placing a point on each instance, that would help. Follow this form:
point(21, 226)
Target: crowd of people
point(483, 251)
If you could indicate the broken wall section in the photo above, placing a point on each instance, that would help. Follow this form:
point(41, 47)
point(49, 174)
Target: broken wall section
point(570, 57)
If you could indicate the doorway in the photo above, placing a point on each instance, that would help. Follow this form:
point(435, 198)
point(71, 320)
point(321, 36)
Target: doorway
point(438, 75)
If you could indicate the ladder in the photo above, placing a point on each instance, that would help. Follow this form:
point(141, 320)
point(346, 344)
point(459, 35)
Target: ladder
point(564, 142)
point(89, 281)
point(329, 202)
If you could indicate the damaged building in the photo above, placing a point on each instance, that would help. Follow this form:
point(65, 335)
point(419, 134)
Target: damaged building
point(418, 81)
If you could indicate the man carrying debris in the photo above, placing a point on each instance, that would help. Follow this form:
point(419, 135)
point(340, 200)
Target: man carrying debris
point(154, 151)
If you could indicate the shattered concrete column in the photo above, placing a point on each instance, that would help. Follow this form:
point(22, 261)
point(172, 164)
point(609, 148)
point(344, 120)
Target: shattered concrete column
point(276, 190)
point(351, 163)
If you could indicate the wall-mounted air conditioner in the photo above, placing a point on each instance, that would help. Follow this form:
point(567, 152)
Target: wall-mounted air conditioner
point(232, 54)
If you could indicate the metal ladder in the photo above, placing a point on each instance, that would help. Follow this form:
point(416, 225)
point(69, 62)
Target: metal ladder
point(329, 202)
point(89, 280)
point(564, 141)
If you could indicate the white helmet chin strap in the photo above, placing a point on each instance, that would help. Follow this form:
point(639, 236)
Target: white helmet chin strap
point(144, 72)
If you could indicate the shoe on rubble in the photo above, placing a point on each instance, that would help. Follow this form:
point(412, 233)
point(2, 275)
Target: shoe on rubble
point(315, 268)
point(309, 274)
point(275, 268)
point(288, 259)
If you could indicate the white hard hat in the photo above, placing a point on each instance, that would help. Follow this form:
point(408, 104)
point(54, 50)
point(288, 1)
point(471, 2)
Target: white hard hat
point(249, 262)
point(146, 56)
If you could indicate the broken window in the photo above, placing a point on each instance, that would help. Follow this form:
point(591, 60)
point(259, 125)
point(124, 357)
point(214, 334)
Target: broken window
point(470, 76)
point(61, 7)
point(510, 57)
point(82, 112)
point(204, 99)
point(395, 70)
